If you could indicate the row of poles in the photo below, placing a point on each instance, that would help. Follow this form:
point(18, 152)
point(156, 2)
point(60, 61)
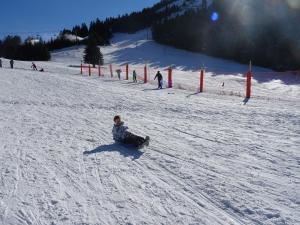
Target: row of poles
point(170, 80)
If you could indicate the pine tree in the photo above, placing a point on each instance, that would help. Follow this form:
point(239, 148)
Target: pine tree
point(92, 53)
point(204, 4)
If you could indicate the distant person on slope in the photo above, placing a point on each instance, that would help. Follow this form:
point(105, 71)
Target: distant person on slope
point(159, 79)
point(0, 63)
point(134, 75)
point(33, 66)
point(119, 73)
point(11, 63)
point(121, 135)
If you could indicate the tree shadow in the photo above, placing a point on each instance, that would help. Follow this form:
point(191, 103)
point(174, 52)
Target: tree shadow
point(246, 100)
point(190, 95)
point(124, 151)
point(133, 83)
point(111, 80)
point(152, 89)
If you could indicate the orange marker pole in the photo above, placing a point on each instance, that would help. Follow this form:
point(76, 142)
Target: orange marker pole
point(127, 71)
point(201, 80)
point(145, 74)
point(170, 81)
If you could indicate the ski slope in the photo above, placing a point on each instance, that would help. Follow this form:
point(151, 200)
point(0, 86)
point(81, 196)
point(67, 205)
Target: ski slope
point(139, 50)
point(213, 158)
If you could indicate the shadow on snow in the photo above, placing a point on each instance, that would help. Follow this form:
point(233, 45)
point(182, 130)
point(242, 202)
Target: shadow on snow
point(124, 151)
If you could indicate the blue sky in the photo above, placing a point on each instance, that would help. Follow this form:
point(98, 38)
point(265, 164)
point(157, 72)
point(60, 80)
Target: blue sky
point(25, 17)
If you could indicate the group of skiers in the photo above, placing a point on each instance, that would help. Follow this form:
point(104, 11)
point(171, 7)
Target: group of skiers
point(158, 76)
point(120, 131)
point(11, 62)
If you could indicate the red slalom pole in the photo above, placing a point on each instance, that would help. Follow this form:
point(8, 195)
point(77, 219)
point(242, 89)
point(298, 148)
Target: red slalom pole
point(248, 84)
point(127, 71)
point(145, 74)
point(99, 70)
point(90, 70)
point(170, 82)
point(111, 71)
point(81, 68)
point(201, 80)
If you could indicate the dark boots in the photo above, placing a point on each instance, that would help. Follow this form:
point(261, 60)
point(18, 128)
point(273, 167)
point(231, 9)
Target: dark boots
point(132, 139)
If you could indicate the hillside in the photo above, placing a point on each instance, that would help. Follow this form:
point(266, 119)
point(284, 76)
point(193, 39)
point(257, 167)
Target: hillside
point(212, 159)
point(139, 49)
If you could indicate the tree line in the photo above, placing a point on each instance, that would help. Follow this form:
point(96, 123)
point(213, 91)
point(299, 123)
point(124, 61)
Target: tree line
point(97, 33)
point(12, 47)
point(102, 30)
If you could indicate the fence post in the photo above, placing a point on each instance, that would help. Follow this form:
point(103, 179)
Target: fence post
point(170, 82)
point(90, 70)
point(145, 74)
point(127, 72)
point(201, 80)
point(111, 71)
point(99, 70)
point(248, 84)
point(81, 68)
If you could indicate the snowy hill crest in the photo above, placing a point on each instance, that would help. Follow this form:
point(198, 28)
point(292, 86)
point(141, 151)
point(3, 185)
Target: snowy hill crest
point(180, 7)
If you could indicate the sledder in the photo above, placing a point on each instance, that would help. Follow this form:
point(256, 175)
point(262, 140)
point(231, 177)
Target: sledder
point(121, 135)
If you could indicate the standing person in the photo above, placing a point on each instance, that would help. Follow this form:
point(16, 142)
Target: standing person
point(11, 63)
point(0, 63)
point(33, 66)
point(119, 73)
point(134, 75)
point(159, 79)
point(121, 135)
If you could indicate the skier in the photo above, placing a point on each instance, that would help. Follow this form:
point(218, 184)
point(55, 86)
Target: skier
point(119, 73)
point(134, 77)
point(0, 63)
point(121, 135)
point(159, 79)
point(33, 66)
point(11, 63)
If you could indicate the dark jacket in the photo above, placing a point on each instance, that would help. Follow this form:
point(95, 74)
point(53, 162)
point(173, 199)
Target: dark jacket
point(158, 76)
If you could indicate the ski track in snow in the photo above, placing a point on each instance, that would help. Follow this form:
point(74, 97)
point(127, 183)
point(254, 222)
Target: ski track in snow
point(212, 159)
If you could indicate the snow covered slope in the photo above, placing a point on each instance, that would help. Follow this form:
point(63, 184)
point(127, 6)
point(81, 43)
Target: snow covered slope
point(184, 6)
point(138, 49)
point(212, 160)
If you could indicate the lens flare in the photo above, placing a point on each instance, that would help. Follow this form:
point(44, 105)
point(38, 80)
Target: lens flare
point(214, 16)
point(294, 4)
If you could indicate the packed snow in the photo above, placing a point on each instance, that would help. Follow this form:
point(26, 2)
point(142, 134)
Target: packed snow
point(214, 157)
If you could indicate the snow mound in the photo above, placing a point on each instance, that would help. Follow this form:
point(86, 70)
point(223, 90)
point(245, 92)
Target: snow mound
point(72, 37)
